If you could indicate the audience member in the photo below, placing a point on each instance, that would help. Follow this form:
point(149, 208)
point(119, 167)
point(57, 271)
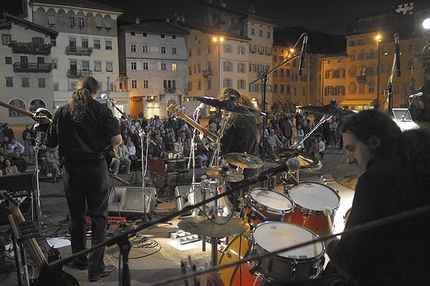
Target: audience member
point(121, 156)
point(18, 160)
point(9, 168)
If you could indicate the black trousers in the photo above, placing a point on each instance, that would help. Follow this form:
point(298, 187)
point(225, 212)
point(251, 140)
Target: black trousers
point(86, 187)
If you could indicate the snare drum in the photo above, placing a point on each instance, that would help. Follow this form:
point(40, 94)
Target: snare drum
point(310, 201)
point(301, 263)
point(235, 250)
point(265, 205)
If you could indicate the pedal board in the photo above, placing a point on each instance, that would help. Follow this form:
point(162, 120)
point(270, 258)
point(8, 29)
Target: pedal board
point(184, 237)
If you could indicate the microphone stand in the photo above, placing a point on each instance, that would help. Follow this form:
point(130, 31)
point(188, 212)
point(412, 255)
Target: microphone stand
point(263, 78)
point(142, 134)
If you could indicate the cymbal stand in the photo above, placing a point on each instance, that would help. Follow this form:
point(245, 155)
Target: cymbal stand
point(215, 156)
point(325, 118)
point(192, 160)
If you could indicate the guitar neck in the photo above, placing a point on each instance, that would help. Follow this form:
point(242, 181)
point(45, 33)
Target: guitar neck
point(179, 113)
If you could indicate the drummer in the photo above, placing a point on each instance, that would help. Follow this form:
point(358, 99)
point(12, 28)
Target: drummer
point(242, 133)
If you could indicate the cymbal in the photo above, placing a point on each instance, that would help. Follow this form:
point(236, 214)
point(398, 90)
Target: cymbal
point(329, 109)
point(217, 227)
point(346, 175)
point(307, 161)
point(230, 105)
point(244, 160)
point(224, 174)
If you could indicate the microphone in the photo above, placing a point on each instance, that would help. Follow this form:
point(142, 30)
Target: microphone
point(302, 53)
point(107, 98)
point(397, 51)
point(416, 94)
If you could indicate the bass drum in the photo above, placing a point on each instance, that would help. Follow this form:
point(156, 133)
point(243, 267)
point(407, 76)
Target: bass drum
point(239, 275)
point(302, 263)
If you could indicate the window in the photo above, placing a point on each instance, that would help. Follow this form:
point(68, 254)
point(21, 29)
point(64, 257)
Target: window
point(8, 81)
point(17, 103)
point(144, 49)
point(8, 60)
point(108, 45)
point(133, 66)
point(162, 36)
point(108, 24)
point(52, 20)
point(41, 82)
point(6, 39)
point(169, 84)
point(163, 50)
point(242, 50)
point(25, 82)
point(241, 84)
point(133, 48)
point(97, 44)
point(163, 66)
point(109, 66)
point(56, 86)
point(145, 84)
point(173, 50)
point(144, 35)
point(98, 66)
point(260, 33)
point(173, 37)
point(85, 65)
point(35, 104)
point(132, 33)
point(145, 66)
point(241, 67)
point(199, 85)
point(228, 82)
point(174, 67)
point(99, 23)
point(71, 22)
point(252, 31)
point(85, 43)
point(134, 83)
point(81, 22)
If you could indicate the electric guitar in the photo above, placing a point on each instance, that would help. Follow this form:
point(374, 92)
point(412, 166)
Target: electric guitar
point(46, 277)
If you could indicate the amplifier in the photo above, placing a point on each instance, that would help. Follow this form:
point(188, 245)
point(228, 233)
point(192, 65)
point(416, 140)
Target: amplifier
point(21, 188)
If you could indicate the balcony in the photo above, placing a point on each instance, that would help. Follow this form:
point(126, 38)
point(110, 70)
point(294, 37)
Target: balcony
point(32, 67)
point(30, 48)
point(74, 73)
point(78, 51)
point(207, 73)
point(169, 89)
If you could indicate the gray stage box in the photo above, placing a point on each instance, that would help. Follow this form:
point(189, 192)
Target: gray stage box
point(131, 201)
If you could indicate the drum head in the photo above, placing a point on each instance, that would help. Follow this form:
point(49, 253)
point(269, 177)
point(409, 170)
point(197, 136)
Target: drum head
point(274, 235)
point(271, 199)
point(314, 196)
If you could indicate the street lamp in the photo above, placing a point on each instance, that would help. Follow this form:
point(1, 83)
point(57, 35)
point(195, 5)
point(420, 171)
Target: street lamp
point(218, 40)
point(378, 39)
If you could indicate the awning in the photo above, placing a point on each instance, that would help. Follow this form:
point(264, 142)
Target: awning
point(358, 102)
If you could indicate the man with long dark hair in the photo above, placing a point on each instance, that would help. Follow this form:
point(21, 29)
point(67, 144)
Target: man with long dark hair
point(84, 130)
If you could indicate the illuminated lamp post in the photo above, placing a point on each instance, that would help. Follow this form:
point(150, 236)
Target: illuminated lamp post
point(218, 40)
point(378, 39)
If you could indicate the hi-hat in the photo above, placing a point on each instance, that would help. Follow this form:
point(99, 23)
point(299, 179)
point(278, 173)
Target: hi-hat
point(224, 174)
point(216, 227)
point(346, 175)
point(329, 109)
point(307, 161)
point(244, 160)
point(230, 105)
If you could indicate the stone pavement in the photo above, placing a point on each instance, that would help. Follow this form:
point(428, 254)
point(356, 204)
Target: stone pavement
point(154, 255)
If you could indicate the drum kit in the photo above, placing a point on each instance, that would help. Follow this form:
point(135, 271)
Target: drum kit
point(268, 220)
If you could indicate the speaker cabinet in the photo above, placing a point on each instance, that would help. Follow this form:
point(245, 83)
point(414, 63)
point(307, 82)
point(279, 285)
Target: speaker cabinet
point(132, 201)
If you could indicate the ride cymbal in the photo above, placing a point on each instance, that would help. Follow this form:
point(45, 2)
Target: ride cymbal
point(224, 174)
point(307, 161)
point(230, 105)
point(244, 160)
point(346, 175)
point(216, 227)
point(329, 109)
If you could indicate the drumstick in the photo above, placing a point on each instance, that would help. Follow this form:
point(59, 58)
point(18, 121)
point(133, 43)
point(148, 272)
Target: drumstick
point(328, 213)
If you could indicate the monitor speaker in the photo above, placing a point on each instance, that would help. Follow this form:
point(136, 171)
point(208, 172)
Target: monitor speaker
point(132, 201)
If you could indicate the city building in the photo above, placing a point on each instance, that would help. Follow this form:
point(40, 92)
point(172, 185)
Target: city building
point(26, 69)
